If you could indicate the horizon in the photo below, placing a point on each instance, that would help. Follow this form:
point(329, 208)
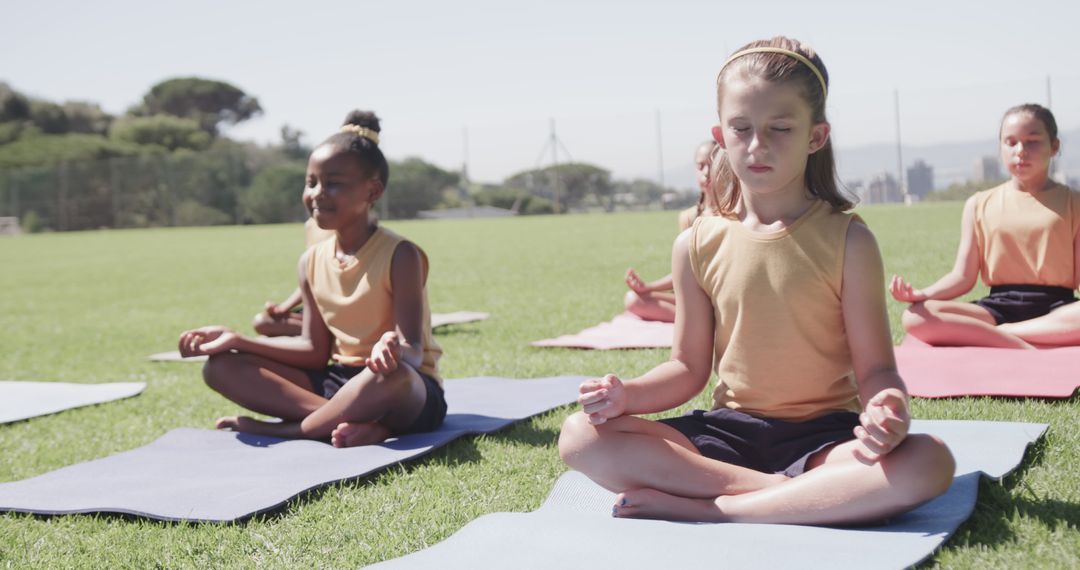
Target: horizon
point(496, 75)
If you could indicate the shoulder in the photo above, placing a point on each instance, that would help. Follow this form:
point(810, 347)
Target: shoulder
point(860, 245)
point(686, 217)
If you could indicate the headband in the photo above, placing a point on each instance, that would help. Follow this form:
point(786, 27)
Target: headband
point(802, 58)
point(364, 132)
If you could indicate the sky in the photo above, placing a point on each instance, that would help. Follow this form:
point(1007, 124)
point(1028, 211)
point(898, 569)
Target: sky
point(629, 86)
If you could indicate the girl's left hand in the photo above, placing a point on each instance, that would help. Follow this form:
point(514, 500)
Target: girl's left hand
point(386, 354)
point(884, 424)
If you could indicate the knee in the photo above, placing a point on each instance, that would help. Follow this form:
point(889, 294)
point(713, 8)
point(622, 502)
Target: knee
point(260, 322)
point(575, 438)
point(218, 369)
point(631, 301)
point(928, 470)
point(915, 317)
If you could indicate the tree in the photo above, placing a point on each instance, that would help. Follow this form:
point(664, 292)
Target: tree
point(416, 185)
point(167, 132)
point(274, 195)
point(14, 106)
point(205, 101)
point(49, 117)
point(86, 117)
point(571, 185)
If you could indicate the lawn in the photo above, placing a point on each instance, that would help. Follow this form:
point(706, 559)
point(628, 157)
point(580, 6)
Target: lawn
point(86, 307)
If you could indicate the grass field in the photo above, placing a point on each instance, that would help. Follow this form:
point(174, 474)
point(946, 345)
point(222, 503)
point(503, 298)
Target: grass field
point(86, 307)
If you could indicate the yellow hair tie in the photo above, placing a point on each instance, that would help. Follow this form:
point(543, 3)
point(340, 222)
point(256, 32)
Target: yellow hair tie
point(802, 58)
point(359, 131)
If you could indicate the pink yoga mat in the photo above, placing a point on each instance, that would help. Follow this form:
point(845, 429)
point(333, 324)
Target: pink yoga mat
point(624, 331)
point(944, 372)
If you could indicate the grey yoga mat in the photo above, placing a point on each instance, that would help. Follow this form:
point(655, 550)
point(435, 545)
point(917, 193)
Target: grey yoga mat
point(23, 400)
point(574, 527)
point(217, 476)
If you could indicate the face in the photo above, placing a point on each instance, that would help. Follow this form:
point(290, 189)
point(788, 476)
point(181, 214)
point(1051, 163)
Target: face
point(703, 166)
point(1026, 148)
point(767, 133)
point(338, 192)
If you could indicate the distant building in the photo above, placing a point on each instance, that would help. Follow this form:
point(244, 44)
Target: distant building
point(920, 180)
point(986, 169)
point(882, 189)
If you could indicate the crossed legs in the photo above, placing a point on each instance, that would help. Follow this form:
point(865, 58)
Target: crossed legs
point(659, 474)
point(954, 323)
point(367, 409)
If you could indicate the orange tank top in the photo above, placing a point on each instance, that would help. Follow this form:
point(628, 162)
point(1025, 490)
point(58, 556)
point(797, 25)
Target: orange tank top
point(1026, 238)
point(355, 298)
point(780, 345)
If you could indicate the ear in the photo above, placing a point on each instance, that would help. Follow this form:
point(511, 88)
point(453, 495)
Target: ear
point(375, 190)
point(819, 135)
point(718, 136)
point(1055, 147)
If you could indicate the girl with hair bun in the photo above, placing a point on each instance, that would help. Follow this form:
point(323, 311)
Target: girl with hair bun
point(366, 365)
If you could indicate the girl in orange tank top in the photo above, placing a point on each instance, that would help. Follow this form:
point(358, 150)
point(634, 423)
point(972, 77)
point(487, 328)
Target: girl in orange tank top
point(655, 301)
point(365, 310)
point(1023, 239)
point(810, 417)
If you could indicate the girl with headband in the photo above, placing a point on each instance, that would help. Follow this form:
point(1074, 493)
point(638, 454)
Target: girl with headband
point(367, 315)
point(1023, 239)
point(810, 418)
point(655, 301)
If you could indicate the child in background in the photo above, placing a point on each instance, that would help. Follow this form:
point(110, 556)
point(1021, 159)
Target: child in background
point(1022, 238)
point(366, 313)
point(810, 417)
point(285, 318)
point(656, 301)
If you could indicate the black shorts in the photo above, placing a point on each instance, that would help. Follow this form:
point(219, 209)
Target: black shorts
point(328, 381)
point(1015, 303)
point(763, 444)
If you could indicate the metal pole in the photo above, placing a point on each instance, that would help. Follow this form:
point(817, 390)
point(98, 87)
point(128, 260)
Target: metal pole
point(659, 151)
point(899, 151)
point(555, 166)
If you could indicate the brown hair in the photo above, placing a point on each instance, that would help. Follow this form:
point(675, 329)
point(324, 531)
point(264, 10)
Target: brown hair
point(820, 177)
point(1039, 112)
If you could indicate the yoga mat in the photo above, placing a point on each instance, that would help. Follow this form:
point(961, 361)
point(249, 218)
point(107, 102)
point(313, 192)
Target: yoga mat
point(624, 331)
point(217, 476)
point(437, 320)
point(946, 371)
point(456, 318)
point(574, 527)
point(22, 400)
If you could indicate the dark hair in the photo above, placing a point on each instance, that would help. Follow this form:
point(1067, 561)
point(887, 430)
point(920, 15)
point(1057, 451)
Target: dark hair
point(363, 148)
point(820, 176)
point(1039, 112)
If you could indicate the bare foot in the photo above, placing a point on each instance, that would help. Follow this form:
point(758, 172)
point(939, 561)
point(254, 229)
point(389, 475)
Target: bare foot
point(252, 425)
point(653, 504)
point(351, 434)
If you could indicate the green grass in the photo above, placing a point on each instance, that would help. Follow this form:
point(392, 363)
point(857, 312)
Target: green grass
point(86, 307)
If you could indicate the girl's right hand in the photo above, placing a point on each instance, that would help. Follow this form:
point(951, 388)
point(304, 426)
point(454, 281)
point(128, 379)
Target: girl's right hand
point(602, 398)
point(903, 291)
point(207, 340)
point(275, 311)
point(634, 282)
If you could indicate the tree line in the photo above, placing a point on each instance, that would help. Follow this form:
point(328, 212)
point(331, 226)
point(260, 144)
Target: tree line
point(167, 162)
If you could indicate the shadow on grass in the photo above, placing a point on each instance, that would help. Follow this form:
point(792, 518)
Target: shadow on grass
point(999, 501)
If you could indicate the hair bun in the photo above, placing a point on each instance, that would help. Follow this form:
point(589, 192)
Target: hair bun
point(365, 119)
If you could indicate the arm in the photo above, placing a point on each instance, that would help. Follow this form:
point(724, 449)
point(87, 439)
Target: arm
point(684, 375)
point(955, 283)
point(406, 342)
point(310, 351)
point(282, 309)
point(634, 281)
point(885, 418)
